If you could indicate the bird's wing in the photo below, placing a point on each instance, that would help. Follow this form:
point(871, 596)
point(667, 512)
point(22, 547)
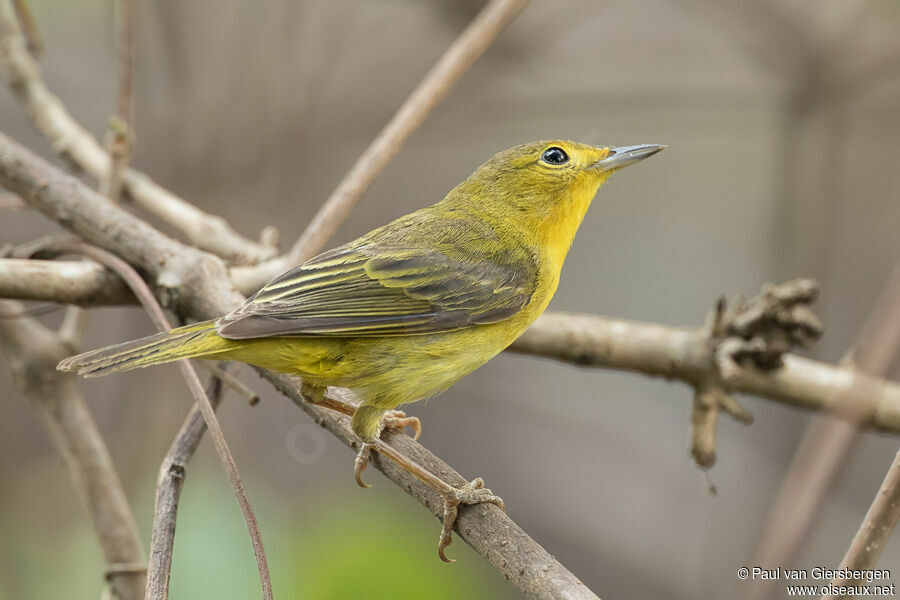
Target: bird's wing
point(371, 290)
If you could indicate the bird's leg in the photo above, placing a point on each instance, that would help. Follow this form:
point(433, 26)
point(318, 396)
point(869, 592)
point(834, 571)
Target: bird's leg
point(368, 424)
point(473, 492)
point(392, 419)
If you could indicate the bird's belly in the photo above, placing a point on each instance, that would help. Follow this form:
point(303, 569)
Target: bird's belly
point(389, 371)
point(420, 367)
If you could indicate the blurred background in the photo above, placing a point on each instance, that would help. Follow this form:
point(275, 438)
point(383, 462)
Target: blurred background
point(782, 119)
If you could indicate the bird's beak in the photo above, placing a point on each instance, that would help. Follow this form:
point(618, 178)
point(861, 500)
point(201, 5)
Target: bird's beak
point(623, 156)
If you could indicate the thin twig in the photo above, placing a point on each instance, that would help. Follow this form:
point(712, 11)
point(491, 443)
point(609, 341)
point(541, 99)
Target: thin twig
point(224, 374)
point(75, 321)
point(452, 65)
point(876, 528)
point(877, 350)
point(121, 132)
point(826, 443)
point(68, 138)
point(197, 285)
point(29, 28)
point(169, 484)
point(148, 300)
point(33, 351)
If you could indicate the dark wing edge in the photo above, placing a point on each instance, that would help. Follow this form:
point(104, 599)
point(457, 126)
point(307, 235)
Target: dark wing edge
point(373, 291)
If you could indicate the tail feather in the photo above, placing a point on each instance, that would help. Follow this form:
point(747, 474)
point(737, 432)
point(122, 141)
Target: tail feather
point(199, 339)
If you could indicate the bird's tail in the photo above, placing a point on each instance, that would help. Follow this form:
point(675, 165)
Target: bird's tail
point(199, 339)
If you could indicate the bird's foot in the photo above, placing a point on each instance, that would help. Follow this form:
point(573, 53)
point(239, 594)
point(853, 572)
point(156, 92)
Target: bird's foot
point(397, 419)
point(360, 464)
point(392, 419)
point(473, 492)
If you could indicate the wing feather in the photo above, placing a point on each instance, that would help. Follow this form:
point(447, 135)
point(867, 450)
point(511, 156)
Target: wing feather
point(370, 289)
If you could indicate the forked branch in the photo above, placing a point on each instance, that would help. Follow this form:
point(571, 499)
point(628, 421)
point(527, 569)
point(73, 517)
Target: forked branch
point(68, 138)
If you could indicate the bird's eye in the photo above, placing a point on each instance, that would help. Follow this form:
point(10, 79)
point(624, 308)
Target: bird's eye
point(555, 156)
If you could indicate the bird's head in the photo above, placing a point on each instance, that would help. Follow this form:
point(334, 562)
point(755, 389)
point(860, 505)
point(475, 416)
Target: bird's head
point(547, 186)
point(547, 171)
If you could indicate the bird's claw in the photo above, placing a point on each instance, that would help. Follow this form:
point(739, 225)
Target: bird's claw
point(473, 492)
point(360, 464)
point(397, 419)
point(392, 419)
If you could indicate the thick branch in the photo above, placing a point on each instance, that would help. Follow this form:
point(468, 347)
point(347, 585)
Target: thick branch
point(684, 354)
point(197, 285)
point(69, 282)
point(486, 528)
point(68, 138)
point(33, 352)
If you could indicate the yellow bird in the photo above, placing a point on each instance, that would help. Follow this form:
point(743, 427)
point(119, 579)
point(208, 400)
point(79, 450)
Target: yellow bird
point(407, 310)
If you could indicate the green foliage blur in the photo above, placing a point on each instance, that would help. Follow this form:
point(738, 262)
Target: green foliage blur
point(376, 543)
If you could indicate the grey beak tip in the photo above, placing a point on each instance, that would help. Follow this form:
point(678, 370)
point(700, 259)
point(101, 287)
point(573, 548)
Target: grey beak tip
point(623, 156)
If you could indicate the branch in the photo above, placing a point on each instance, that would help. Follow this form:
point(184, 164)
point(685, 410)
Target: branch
point(454, 63)
point(683, 354)
point(486, 528)
point(33, 352)
point(29, 28)
point(586, 340)
point(158, 583)
point(826, 443)
point(196, 284)
point(68, 138)
point(169, 484)
point(877, 526)
point(120, 133)
point(68, 282)
point(879, 346)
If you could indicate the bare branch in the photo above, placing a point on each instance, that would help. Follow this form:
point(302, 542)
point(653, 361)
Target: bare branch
point(68, 138)
point(826, 443)
point(877, 349)
point(587, 340)
point(454, 63)
point(145, 296)
point(169, 484)
point(33, 352)
point(29, 28)
point(197, 284)
point(486, 528)
point(121, 132)
point(224, 374)
point(685, 355)
point(70, 282)
point(10, 202)
point(876, 527)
